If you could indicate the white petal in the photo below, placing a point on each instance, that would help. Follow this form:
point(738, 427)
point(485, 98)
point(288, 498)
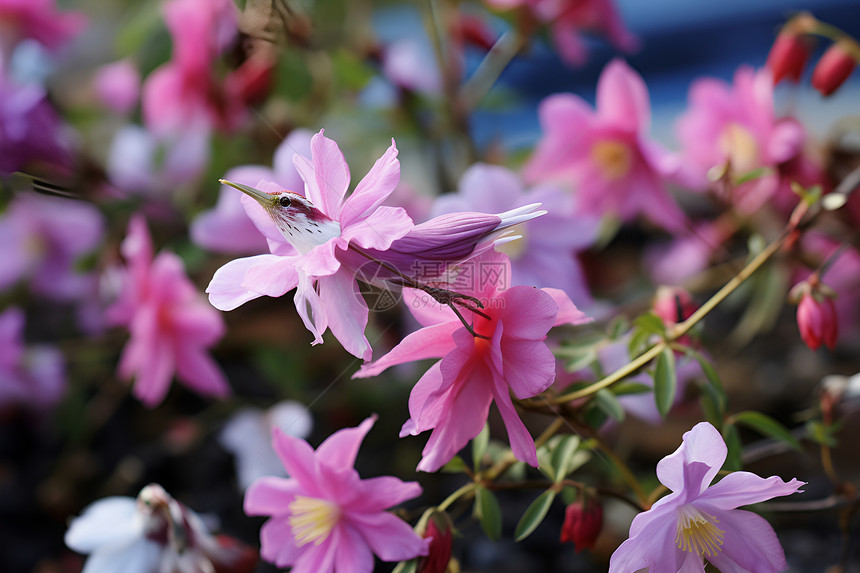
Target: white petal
point(108, 521)
point(141, 556)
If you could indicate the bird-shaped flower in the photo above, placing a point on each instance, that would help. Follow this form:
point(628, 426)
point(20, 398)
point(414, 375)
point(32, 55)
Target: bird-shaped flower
point(323, 241)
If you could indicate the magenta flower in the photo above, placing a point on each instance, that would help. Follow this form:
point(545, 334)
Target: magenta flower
point(606, 153)
point(227, 228)
point(700, 521)
point(545, 255)
point(43, 238)
point(817, 321)
point(171, 327)
point(510, 356)
point(325, 518)
point(32, 377)
point(569, 18)
point(737, 124)
point(37, 20)
point(117, 86)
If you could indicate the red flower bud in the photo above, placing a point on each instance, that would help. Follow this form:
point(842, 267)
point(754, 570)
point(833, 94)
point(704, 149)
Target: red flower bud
point(583, 521)
point(816, 321)
point(788, 56)
point(673, 305)
point(436, 561)
point(833, 68)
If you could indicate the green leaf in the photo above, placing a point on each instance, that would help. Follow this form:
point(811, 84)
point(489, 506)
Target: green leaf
point(638, 341)
point(607, 402)
point(665, 381)
point(455, 466)
point(581, 361)
point(563, 456)
point(651, 323)
point(489, 513)
point(752, 175)
point(735, 448)
point(617, 327)
point(534, 515)
point(709, 372)
point(410, 566)
point(479, 446)
point(766, 425)
point(629, 387)
point(821, 433)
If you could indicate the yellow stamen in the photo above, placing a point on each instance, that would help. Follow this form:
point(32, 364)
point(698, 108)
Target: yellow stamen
point(514, 249)
point(312, 519)
point(613, 157)
point(740, 147)
point(697, 532)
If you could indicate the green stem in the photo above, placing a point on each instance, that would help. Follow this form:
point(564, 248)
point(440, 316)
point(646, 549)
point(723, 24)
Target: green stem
point(469, 487)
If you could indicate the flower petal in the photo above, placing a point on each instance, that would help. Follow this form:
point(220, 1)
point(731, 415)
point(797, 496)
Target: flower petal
point(310, 308)
point(348, 317)
point(622, 97)
point(522, 443)
point(373, 189)
point(429, 342)
point(653, 549)
point(277, 542)
point(318, 558)
point(353, 555)
point(141, 556)
point(389, 537)
point(225, 289)
point(701, 444)
point(380, 493)
point(326, 177)
point(567, 311)
point(749, 544)
point(271, 496)
point(744, 488)
point(298, 459)
point(271, 275)
point(339, 450)
point(379, 229)
point(199, 371)
point(108, 521)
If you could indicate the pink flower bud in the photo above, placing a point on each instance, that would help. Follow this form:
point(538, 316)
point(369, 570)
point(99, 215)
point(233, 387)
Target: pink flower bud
point(833, 68)
point(439, 529)
point(816, 320)
point(673, 305)
point(583, 521)
point(788, 56)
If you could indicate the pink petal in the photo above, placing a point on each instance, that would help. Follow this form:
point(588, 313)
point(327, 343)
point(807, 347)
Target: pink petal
point(529, 367)
point(622, 98)
point(786, 141)
point(310, 308)
point(522, 444)
point(298, 142)
point(567, 311)
point(319, 558)
point(225, 289)
point(226, 228)
point(152, 379)
point(380, 493)
point(488, 189)
point(380, 229)
point(373, 189)
point(353, 555)
point(271, 275)
point(426, 310)
point(321, 260)
point(569, 44)
point(749, 544)
point(527, 313)
point(298, 459)
point(388, 536)
point(198, 370)
point(347, 312)
point(653, 549)
point(327, 178)
point(429, 342)
point(563, 118)
point(277, 542)
point(744, 488)
point(270, 496)
point(702, 444)
point(339, 450)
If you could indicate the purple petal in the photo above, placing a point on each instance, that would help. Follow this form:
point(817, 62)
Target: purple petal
point(652, 548)
point(380, 229)
point(702, 444)
point(373, 189)
point(271, 496)
point(749, 543)
point(429, 342)
point(388, 536)
point(744, 488)
point(339, 450)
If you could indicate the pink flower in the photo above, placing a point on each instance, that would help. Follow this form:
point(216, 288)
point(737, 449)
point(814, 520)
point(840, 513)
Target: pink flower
point(510, 356)
point(816, 320)
point(117, 85)
point(38, 20)
point(325, 518)
point(583, 520)
point(700, 521)
point(32, 377)
point(605, 153)
point(546, 253)
point(737, 124)
point(569, 18)
point(227, 228)
point(171, 326)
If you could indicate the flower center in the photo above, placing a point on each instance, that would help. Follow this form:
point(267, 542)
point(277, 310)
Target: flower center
point(697, 532)
point(740, 147)
point(613, 157)
point(312, 519)
point(515, 249)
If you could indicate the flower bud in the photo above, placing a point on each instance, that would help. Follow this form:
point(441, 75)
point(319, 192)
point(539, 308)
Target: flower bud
point(673, 305)
point(833, 68)
point(788, 56)
point(816, 320)
point(583, 521)
point(439, 528)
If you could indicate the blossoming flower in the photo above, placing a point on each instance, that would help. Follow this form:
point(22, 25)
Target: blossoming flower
point(605, 153)
point(545, 253)
point(509, 355)
point(31, 376)
point(38, 20)
point(152, 534)
point(171, 326)
point(325, 518)
point(700, 521)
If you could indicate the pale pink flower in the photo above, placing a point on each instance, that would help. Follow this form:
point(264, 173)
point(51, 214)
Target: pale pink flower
point(30, 376)
point(151, 534)
point(227, 228)
point(699, 521)
point(605, 153)
point(511, 356)
point(546, 253)
point(171, 326)
point(569, 18)
point(117, 85)
point(737, 124)
point(408, 63)
point(37, 20)
point(325, 518)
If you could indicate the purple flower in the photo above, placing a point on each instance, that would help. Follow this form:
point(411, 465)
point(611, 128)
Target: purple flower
point(700, 521)
point(227, 228)
point(545, 255)
point(43, 238)
point(117, 86)
point(605, 153)
point(325, 518)
point(29, 376)
point(171, 326)
point(509, 357)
